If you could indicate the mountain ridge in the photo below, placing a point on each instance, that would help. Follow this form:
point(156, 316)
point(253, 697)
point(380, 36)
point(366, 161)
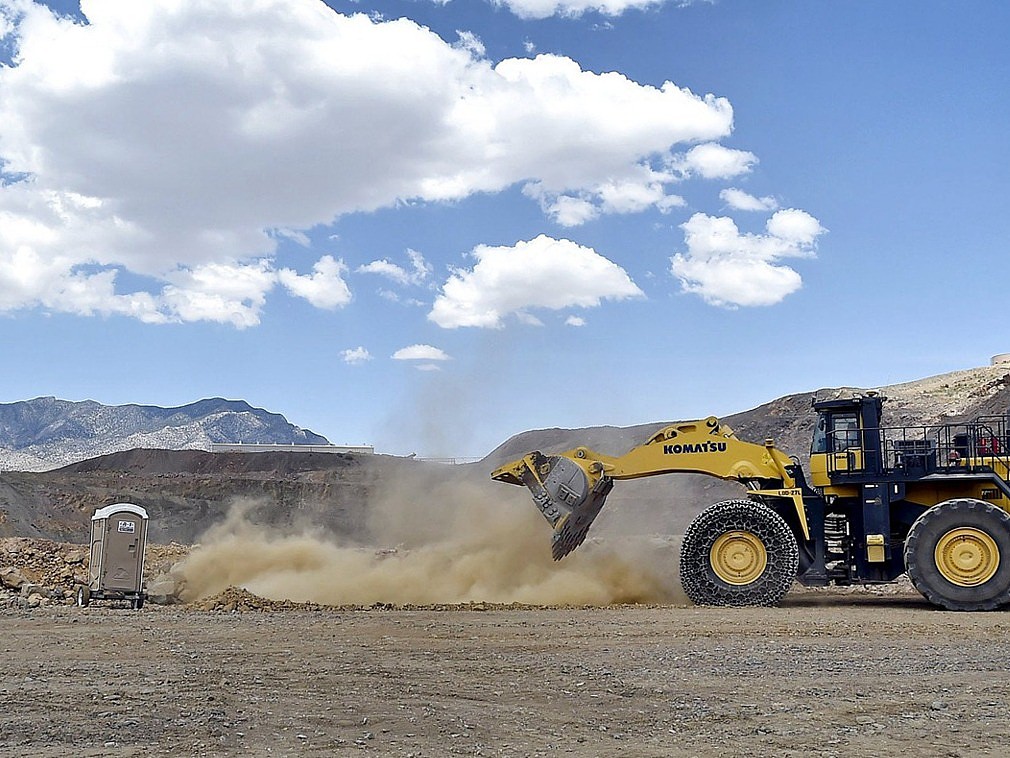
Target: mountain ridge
point(47, 432)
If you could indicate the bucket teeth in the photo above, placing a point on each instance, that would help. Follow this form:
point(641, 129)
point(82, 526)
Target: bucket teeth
point(565, 541)
point(571, 532)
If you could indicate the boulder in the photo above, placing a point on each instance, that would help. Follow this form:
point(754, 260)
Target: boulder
point(162, 590)
point(12, 578)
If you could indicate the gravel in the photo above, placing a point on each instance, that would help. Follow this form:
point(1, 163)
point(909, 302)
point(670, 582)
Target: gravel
point(829, 673)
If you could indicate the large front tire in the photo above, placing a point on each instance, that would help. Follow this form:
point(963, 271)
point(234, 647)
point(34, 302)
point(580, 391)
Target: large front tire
point(958, 555)
point(738, 552)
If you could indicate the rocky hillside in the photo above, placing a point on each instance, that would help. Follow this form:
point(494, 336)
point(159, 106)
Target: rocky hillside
point(187, 491)
point(789, 420)
point(46, 433)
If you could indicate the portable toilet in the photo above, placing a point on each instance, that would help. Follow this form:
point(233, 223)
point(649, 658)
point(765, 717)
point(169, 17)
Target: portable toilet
point(116, 568)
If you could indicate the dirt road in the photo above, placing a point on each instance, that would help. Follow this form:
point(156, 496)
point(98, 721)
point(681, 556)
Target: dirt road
point(827, 674)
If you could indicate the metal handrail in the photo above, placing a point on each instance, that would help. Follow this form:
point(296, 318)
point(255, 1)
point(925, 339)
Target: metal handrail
point(970, 447)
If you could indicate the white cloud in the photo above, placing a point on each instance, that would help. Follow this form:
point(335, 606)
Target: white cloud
point(795, 226)
point(731, 269)
point(575, 321)
point(565, 209)
point(541, 273)
point(574, 8)
point(386, 269)
point(229, 293)
point(162, 137)
point(418, 273)
point(420, 353)
point(632, 197)
point(528, 318)
point(295, 236)
point(739, 200)
point(713, 161)
point(638, 190)
point(471, 43)
point(324, 287)
point(355, 356)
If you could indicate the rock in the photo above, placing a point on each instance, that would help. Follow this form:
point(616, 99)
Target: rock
point(12, 578)
point(162, 591)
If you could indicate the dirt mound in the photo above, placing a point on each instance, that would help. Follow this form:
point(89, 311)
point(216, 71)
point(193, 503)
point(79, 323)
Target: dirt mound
point(235, 599)
point(56, 568)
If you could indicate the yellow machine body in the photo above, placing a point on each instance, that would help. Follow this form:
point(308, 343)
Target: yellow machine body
point(879, 501)
point(706, 446)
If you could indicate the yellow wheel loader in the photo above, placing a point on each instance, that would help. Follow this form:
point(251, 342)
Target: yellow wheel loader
point(879, 502)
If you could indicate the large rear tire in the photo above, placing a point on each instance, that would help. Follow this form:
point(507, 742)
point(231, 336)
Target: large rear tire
point(738, 552)
point(958, 555)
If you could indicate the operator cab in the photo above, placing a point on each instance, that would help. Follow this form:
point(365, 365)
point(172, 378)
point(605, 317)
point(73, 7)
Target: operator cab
point(846, 444)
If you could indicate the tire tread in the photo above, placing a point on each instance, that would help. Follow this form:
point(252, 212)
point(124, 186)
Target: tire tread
point(696, 577)
point(920, 562)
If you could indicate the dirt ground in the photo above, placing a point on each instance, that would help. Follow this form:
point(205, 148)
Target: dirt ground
point(829, 674)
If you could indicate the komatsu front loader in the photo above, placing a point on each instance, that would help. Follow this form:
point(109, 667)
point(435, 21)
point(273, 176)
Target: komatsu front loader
point(878, 502)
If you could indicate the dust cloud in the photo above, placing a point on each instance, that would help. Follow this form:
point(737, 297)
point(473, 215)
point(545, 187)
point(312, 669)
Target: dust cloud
point(433, 540)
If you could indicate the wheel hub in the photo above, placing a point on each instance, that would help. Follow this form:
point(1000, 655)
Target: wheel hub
point(738, 557)
point(967, 556)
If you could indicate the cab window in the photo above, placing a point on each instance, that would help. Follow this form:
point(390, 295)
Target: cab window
point(845, 432)
point(820, 442)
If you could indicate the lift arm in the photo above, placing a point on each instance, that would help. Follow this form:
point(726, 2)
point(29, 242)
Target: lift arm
point(571, 488)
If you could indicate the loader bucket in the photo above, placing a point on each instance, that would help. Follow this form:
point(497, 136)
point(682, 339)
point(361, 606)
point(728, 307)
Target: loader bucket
point(561, 492)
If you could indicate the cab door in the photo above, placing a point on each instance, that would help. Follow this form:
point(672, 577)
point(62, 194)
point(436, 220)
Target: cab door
point(837, 447)
point(846, 444)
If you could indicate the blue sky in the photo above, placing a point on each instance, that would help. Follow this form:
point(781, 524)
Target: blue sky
point(429, 225)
